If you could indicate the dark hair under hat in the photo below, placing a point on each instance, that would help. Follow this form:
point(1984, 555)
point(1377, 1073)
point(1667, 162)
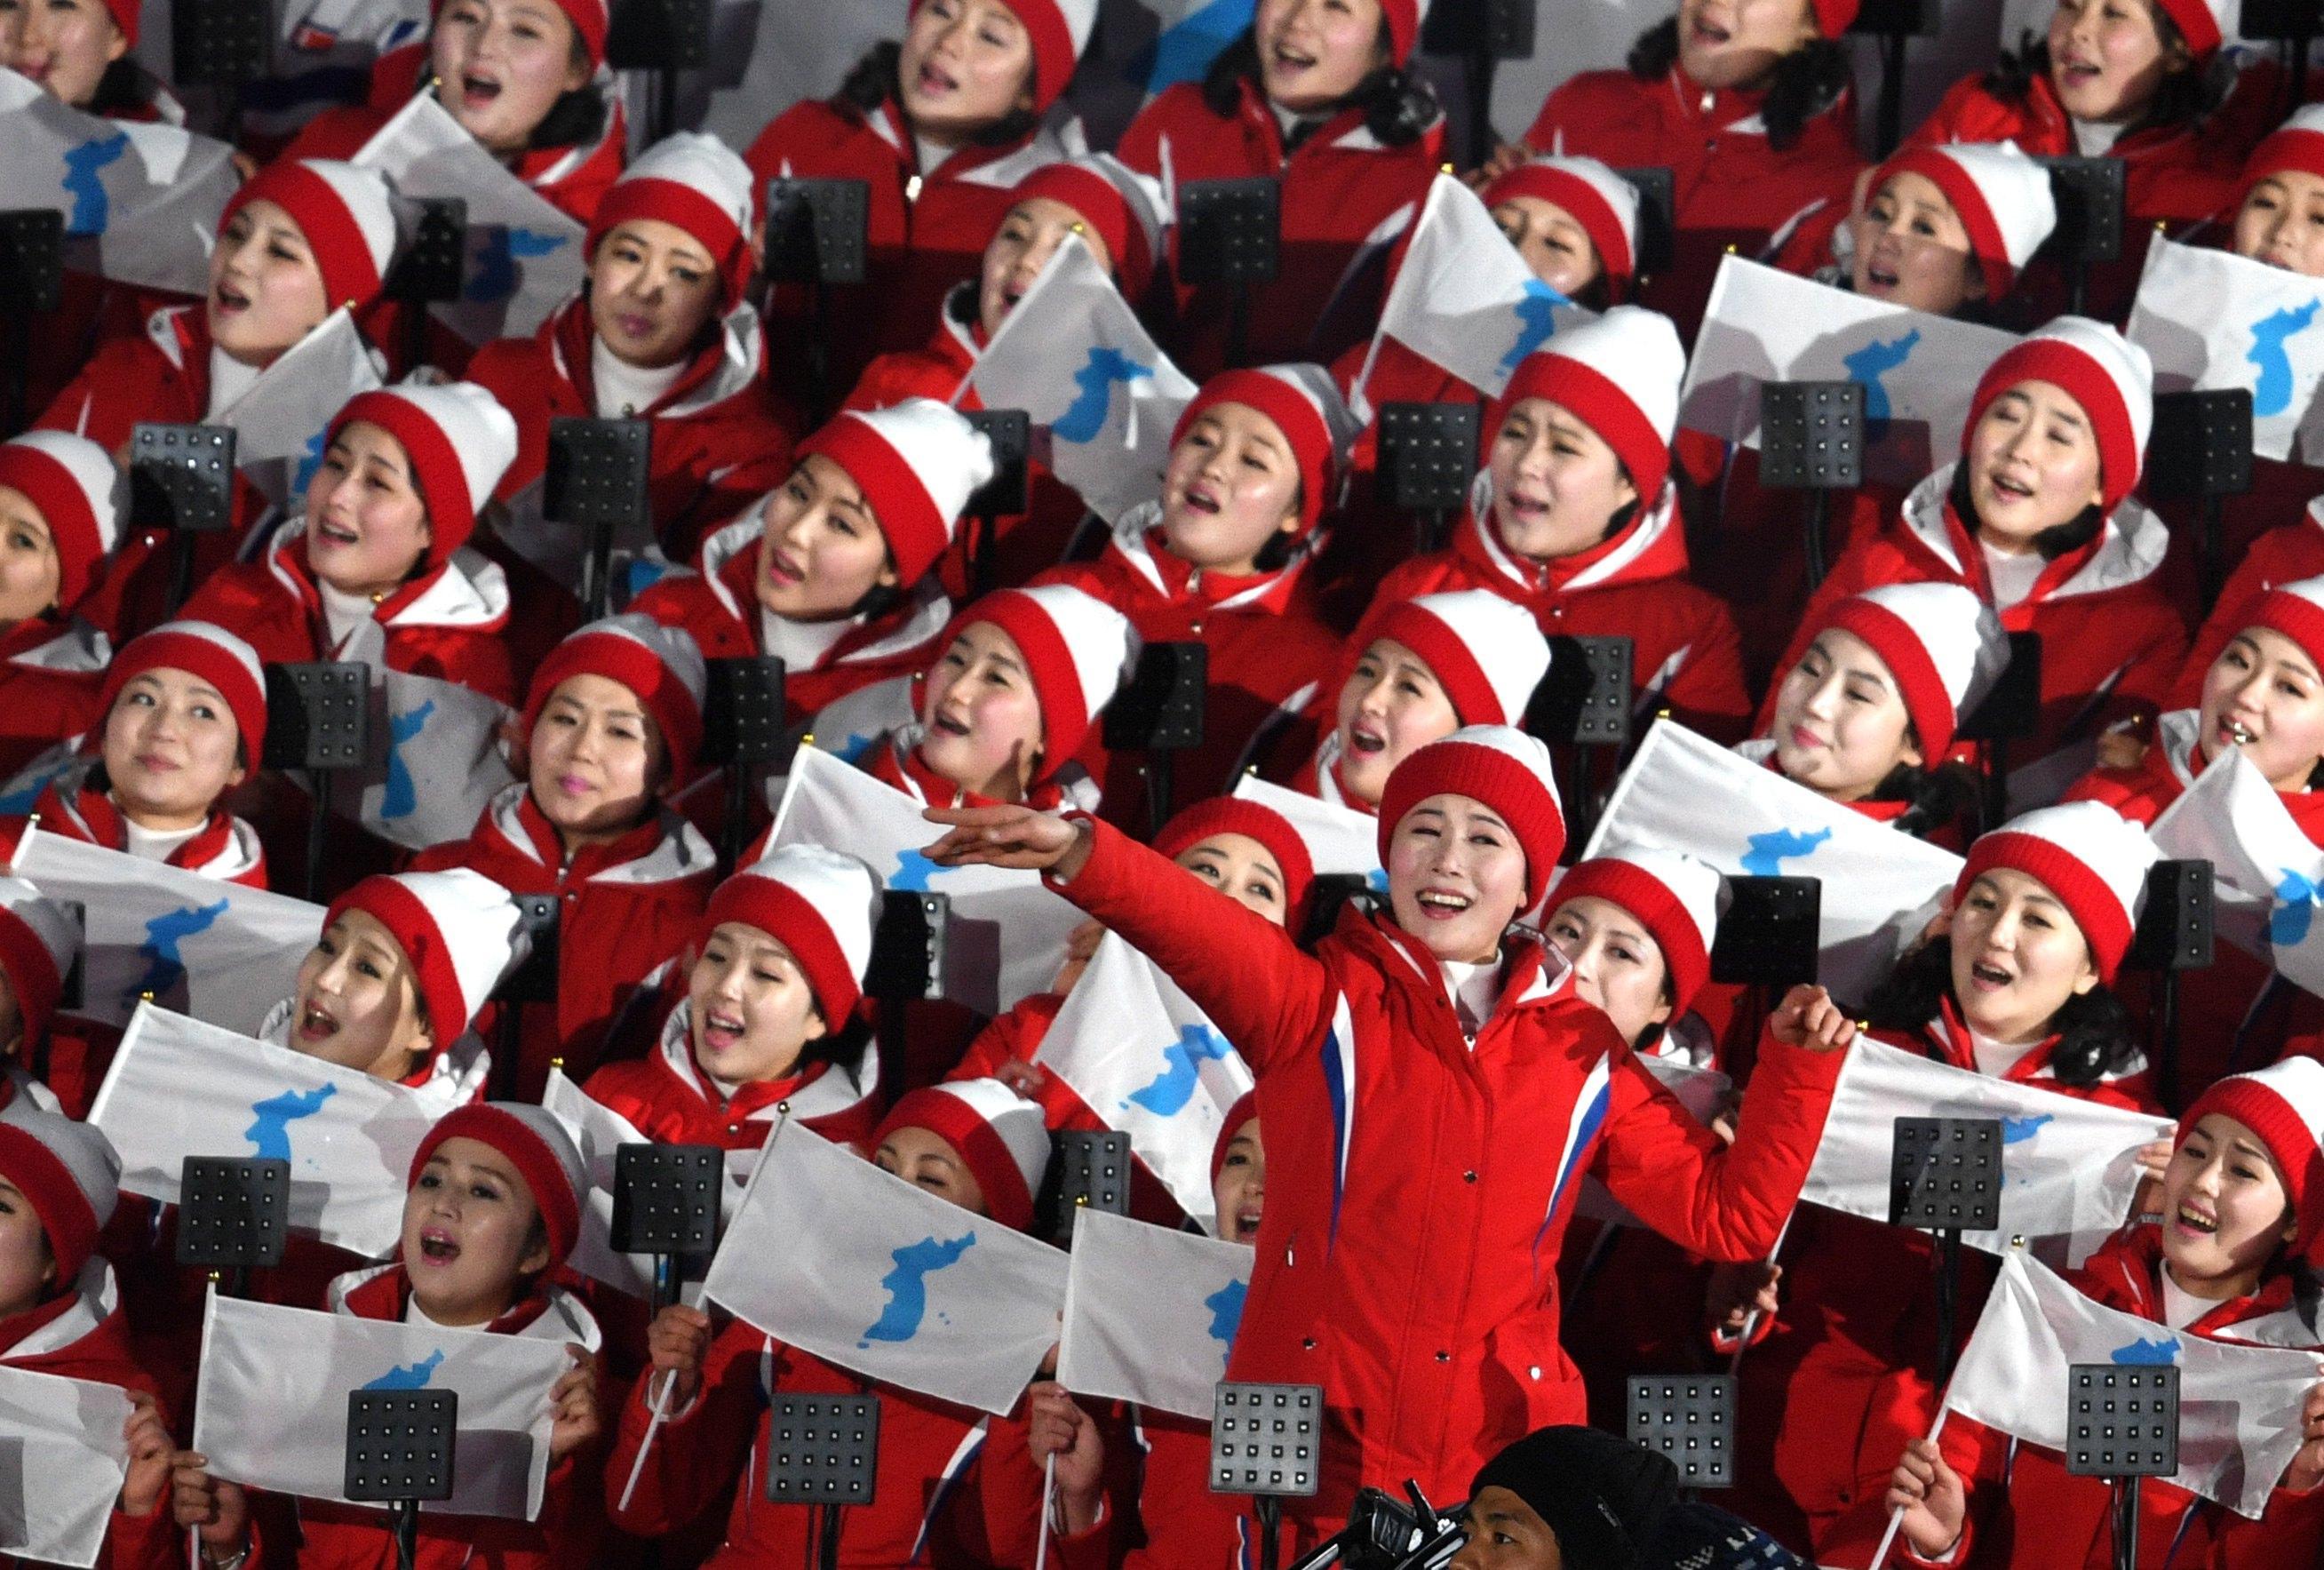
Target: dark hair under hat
point(1601, 1495)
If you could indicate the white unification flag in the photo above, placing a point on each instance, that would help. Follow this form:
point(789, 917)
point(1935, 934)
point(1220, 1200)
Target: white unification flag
point(141, 203)
point(1144, 1059)
point(62, 1461)
point(2238, 1406)
point(524, 255)
point(2210, 319)
point(1074, 358)
point(1339, 839)
point(1191, 34)
point(280, 421)
point(1464, 298)
point(1150, 1314)
point(179, 1088)
point(861, 1268)
point(1880, 887)
point(1918, 371)
point(220, 952)
point(2067, 1179)
point(598, 1133)
point(272, 1407)
point(1008, 932)
point(849, 727)
point(2268, 877)
point(440, 735)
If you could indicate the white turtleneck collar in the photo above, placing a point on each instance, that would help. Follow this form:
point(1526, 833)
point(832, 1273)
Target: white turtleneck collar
point(618, 388)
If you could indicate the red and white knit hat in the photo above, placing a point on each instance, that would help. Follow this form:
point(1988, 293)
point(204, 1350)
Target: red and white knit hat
point(1122, 206)
point(1246, 1107)
point(537, 1146)
point(2001, 196)
point(1506, 770)
point(1306, 406)
point(700, 185)
point(2090, 858)
point(209, 652)
point(459, 929)
point(1834, 17)
point(2284, 1105)
point(1942, 643)
point(917, 463)
point(589, 19)
point(2201, 23)
point(1403, 18)
point(2108, 374)
point(2296, 610)
point(1232, 815)
point(81, 494)
point(126, 17)
point(345, 213)
point(458, 440)
point(1001, 1136)
point(2297, 144)
point(1601, 201)
point(820, 904)
point(70, 1174)
point(1485, 651)
point(1619, 375)
point(663, 665)
point(38, 943)
point(1077, 648)
point(1674, 896)
point(1059, 31)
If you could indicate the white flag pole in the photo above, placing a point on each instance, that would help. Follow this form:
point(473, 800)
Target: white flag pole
point(645, 1445)
point(1751, 1320)
point(1048, 1503)
point(1896, 1516)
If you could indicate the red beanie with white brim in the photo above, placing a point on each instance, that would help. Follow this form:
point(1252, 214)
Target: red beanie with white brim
point(1619, 375)
point(1506, 770)
point(2094, 862)
point(821, 904)
point(2002, 198)
point(662, 666)
point(917, 463)
point(1601, 201)
point(1001, 1137)
point(695, 183)
point(344, 210)
point(2284, 1105)
point(458, 440)
point(1487, 652)
point(1674, 896)
point(541, 1149)
point(1306, 406)
point(1123, 207)
point(82, 496)
point(459, 931)
point(210, 653)
point(1254, 821)
point(1078, 652)
point(1942, 643)
point(69, 1173)
point(2108, 375)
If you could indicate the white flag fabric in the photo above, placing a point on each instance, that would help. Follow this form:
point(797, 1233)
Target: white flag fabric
point(62, 1461)
point(858, 1267)
point(179, 1088)
point(1150, 1314)
point(1190, 34)
point(1149, 1063)
point(280, 421)
point(2068, 1177)
point(435, 732)
point(216, 950)
point(524, 255)
point(2268, 877)
point(1060, 354)
point(1339, 839)
point(141, 202)
point(1880, 887)
point(2238, 1406)
point(1918, 371)
point(2211, 320)
point(849, 727)
point(1008, 932)
point(1464, 298)
point(272, 1407)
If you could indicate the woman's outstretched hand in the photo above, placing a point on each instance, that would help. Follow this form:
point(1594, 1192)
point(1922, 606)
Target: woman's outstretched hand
point(1009, 836)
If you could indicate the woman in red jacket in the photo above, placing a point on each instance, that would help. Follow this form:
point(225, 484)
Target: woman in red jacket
point(2015, 980)
point(770, 1025)
point(2232, 1255)
point(379, 570)
point(662, 331)
point(2036, 516)
point(1575, 519)
point(40, 944)
point(527, 79)
point(1315, 94)
point(610, 729)
point(1257, 460)
point(1746, 102)
point(1432, 664)
point(1414, 1074)
point(1119, 215)
point(492, 1212)
point(60, 1315)
point(941, 126)
point(1867, 716)
point(833, 573)
point(61, 499)
point(954, 1486)
point(184, 723)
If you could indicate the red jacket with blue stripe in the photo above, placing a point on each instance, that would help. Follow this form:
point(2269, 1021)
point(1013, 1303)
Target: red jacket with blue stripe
point(1407, 1261)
